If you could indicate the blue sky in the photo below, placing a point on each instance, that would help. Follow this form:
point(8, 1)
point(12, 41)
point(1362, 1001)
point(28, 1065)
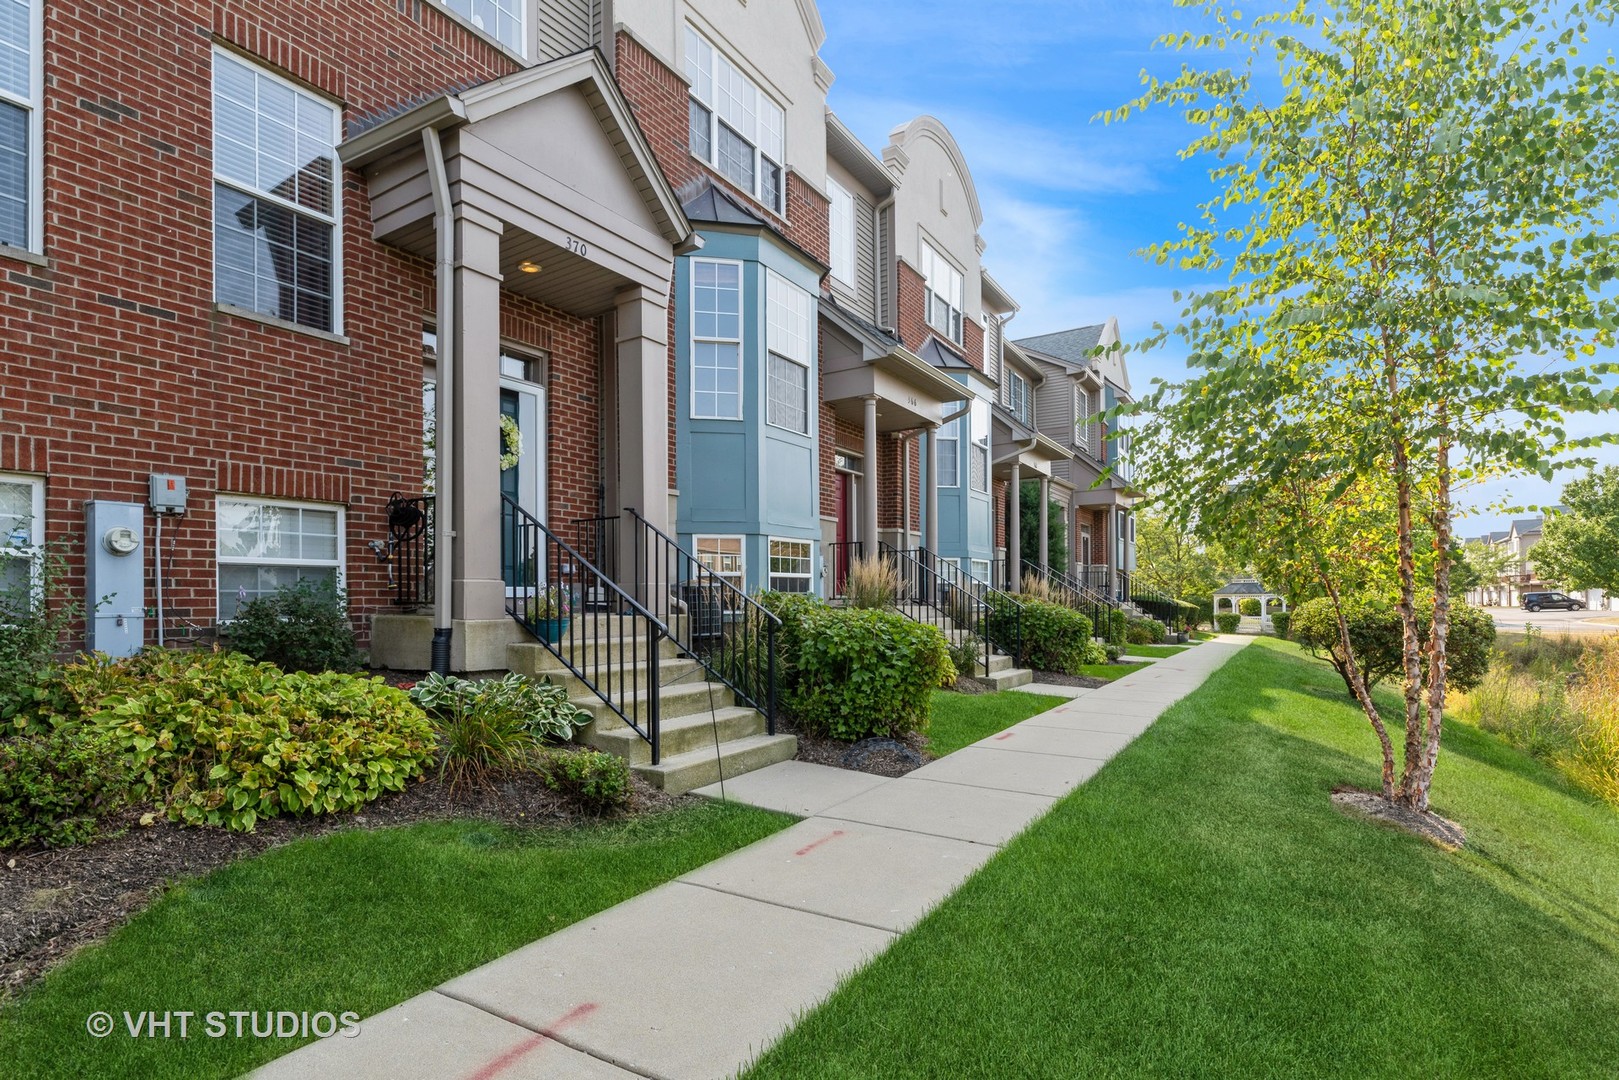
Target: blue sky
point(1067, 201)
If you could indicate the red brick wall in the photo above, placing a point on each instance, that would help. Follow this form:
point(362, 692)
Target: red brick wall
point(116, 362)
point(912, 323)
point(973, 336)
point(1002, 489)
point(573, 404)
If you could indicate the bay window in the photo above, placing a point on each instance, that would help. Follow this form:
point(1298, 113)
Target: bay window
point(949, 455)
point(790, 565)
point(789, 341)
point(716, 340)
point(722, 555)
point(733, 125)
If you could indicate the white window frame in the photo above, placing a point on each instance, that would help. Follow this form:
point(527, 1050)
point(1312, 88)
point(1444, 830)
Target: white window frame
point(807, 577)
point(939, 271)
point(34, 547)
point(841, 226)
point(334, 219)
point(794, 344)
point(708, 87)
point(981, 452)
point(949, 436)
point(741, 575)
point(34, 139)
point(1018, 401)
point(340, 578)
point(974, 566)
point(741, 329)
point(521, 15)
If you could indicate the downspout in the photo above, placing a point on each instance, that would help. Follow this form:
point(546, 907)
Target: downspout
point(443, 401)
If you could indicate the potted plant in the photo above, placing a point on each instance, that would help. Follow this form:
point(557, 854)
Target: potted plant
point(548, 612)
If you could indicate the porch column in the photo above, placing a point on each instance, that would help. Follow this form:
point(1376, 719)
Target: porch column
point(930, 494)
point(1014, 532)
point(1045, 522)
point(868, 482)
point(479, 590)
point(641, 355)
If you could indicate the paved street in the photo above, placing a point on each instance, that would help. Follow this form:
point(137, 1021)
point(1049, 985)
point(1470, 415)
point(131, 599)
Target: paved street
point(1512, 620)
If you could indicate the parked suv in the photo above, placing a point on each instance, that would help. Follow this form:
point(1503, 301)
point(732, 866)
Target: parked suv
point(1534, 601)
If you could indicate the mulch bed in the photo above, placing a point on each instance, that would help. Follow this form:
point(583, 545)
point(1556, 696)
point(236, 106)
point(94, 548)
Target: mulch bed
point(1058, 678)
point(53, 902)
point(870, 755)
point(1443, 832)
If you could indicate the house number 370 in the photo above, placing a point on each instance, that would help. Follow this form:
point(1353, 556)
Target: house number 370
point(578, 247)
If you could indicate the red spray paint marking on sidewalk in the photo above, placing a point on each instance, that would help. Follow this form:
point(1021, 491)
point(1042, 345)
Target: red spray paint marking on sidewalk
point(511, 1057)
point(1003, 738)
point(807, 848)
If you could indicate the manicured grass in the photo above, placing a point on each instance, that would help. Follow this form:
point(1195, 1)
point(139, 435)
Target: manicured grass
point(1109, 672)
point(1199, 909)
point(962, 719)
point(1202, 635)
point(354, 921)
point(1159, 651)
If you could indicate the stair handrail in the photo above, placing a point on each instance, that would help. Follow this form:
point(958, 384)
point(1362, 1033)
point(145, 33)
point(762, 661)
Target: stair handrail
point(738, 664)
point(544, 561)
point(1074, 596)
point(997, 599)
point(929, 590)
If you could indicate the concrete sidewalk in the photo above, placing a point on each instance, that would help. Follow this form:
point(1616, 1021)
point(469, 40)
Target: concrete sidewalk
point(697, 977)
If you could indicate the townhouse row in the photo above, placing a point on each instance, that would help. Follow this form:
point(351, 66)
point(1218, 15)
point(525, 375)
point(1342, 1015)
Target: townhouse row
point(285, 285)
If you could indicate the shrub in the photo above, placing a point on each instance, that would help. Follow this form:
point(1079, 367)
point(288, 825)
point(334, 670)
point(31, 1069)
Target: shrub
point(597, 783)
point(216, 739)
point(300, 627)
point(1279, 620)
point(57, 788)
point(864, 673)
point(1201, 613)
point(1378, 638)
point(1146, 631)
point(1118, 627)
point(792, 609)
point(873, 584)
point(494, 726)
point(1111, 653)
point(967, 655)
point(1248, 605)
point(33, 617)
point(1227, 622)
point(1054, 637)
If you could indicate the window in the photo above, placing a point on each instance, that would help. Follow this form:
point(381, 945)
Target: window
point(21, 126)
point(723, 555)
point(943, 294)
point(265, 545)
point(978, 461)
point(22, 534)
point(716, 340)
point(1082, 420)
point(842, 226)
point(950, 450)
point(734, 126)
point(980, 569)
point(276, 196)
point(790, 566)
point(1017, 395)
point(789, 328)
point(500, 19)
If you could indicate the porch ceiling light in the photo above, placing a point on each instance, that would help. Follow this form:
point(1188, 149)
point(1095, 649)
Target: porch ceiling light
point(529, 267)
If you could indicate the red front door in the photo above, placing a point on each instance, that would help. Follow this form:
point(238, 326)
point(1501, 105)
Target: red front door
point(840, 567)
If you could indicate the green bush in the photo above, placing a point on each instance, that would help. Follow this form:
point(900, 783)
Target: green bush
point(1146, 631)
point(866, 672)
point(1118, 627)
point(1249, 606)
point(34, 615)
point(967, 655)
point(1111, 653)
point(301, 627)
point(1378, 638)
point(214, 738)
point(792, 609)
point(1227, 622)
point(597, 783)
point(1279, 620)
point(493, 726)
point(1201, 612)
point(57, 788)
point(1054, 637)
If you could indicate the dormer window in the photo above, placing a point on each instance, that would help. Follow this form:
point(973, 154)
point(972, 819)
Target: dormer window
point(734, 126)
point(944, 291)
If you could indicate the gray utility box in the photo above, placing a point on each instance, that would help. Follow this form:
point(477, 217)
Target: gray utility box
point(115, 576)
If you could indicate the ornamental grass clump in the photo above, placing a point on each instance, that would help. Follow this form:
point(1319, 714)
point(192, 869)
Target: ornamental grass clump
point(491, 727)
point(1593, 762)
point(873, 584)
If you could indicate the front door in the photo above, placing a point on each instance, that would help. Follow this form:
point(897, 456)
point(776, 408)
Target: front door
point(522, 403)
point(846, 532)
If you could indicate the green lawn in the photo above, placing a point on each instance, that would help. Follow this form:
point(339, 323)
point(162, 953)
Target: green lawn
point(357, 920)
point(1199, 909)
point(962, 719)
point(1157, 651)
point(1108, 672)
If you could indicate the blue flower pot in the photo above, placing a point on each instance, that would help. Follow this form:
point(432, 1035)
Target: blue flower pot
point(551, 630)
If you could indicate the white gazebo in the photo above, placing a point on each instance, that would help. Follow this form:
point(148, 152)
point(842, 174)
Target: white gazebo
point(1228, 598)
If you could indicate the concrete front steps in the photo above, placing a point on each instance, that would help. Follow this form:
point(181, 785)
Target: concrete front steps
point(705, 736)
point(999, 672)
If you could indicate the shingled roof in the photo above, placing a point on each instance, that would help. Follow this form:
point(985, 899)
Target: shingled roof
point(1072, 346)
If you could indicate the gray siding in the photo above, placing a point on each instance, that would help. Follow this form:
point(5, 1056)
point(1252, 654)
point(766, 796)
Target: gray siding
point(865, 255)
point(1054, 408)
point(566, 26)
point(887, 271)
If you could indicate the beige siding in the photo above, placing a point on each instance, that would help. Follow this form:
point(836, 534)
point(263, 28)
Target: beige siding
point(566, 26)
point(865, 255)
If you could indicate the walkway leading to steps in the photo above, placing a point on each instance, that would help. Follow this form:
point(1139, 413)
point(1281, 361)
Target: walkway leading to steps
point(697, 977)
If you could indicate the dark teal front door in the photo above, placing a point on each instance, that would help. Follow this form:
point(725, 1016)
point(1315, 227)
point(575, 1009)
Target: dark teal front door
point(510, 487)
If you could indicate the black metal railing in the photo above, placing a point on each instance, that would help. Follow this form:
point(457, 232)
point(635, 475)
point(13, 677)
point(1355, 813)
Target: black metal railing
point(1160, 605)
point(613, 650)
point(597, 540)
point(839, 557)
point(1070, 593)
point(1004, 628)
point(410, 550)
point(1098, 579)
point(928, 596)
point(733, 636)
